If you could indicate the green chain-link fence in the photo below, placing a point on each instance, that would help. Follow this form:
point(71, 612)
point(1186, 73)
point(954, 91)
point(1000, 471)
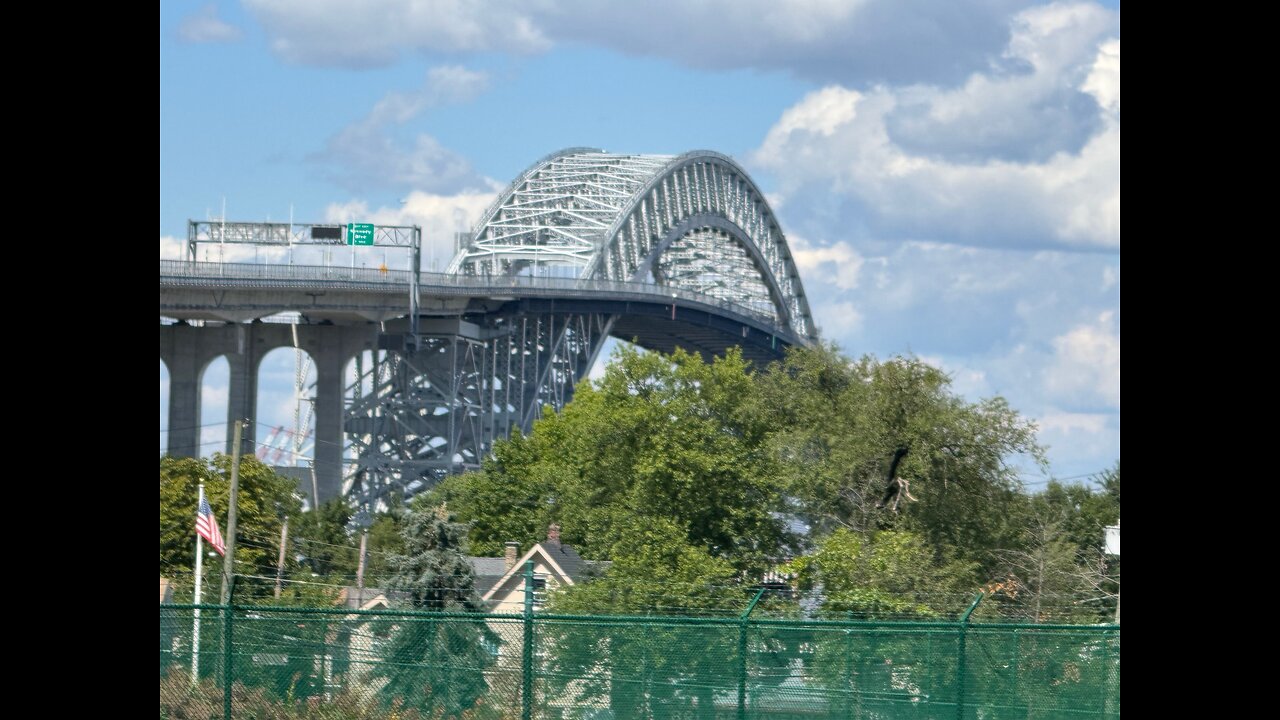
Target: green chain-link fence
point(339, 664)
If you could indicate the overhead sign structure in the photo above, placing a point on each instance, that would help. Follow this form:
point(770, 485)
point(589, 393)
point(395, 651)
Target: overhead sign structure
point(359, 233)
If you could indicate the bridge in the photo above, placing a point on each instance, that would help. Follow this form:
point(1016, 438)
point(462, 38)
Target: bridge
point(418, 373)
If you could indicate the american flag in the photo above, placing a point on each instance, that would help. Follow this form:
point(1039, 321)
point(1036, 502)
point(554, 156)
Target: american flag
point(207, 527)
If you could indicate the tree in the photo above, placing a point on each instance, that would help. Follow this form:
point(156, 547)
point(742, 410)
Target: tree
point(264, 499)
point(654, 571)
point(658, 437)
point(660, 466)
point(326, 545)
point(883, 575)
point(435, 665)
point(1058, 568)
point(846, 434)
point(1046, 566)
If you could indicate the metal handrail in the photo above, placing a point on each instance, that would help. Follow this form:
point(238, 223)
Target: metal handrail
point(444, 283)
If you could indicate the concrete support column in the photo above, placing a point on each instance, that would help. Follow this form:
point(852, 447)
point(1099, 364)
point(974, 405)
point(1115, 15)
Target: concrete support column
point(242, 396)
point(329, 363)
point(184, 400)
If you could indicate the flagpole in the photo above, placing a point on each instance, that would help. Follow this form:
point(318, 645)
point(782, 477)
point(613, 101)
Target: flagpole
point(195, 629)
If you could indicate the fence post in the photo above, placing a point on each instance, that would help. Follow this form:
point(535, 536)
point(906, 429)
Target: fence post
point(742, 654)
point(1113, 680)
point(526, 670)
point(960, 661)
point(848, 663)
point(227, 612)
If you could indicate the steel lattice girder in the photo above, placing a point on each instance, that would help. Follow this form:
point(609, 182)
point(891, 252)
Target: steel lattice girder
point(694, 221)
point(437, 409)
point(591, 214)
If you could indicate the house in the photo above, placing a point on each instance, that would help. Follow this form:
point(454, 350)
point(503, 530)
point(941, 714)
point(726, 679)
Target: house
point(370, 598)
point(554, 565)
point(489, 570)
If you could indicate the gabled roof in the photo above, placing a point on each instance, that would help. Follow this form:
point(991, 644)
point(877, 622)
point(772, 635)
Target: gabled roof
point(564, 561)
point(486, 566)
point(353, 598)
point(487, 571)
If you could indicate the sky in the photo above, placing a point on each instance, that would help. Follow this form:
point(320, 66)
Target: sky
point(947, 172)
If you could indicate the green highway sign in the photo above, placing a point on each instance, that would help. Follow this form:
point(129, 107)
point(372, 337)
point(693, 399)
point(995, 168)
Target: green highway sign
point(359, 233)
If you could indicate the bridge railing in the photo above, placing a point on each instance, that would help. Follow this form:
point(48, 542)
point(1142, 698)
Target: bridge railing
point(181, 272)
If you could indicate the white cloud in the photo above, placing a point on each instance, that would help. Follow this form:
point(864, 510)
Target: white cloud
point(837, 264)
point(1104, 79)
point(444, 85)
point(825, 40)
point(367, 154)
point(1087, 363)
point(164, 404)
point(214, 393)
point(1024, 154)
point(969, 382)
point(171, 248)
point(439, 216)
point(373, 33)
point(1110, 277)
point(1080, 443)
point(992, 319)
point(1069, 422)
point(837, 318)
point(204, 26)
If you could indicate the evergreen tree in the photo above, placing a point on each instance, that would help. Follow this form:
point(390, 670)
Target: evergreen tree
point(435, 664)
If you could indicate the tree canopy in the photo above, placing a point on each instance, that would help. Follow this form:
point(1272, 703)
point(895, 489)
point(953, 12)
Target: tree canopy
point(264, 499)
point(703, 473)
point(670, 438)
point(436, 665)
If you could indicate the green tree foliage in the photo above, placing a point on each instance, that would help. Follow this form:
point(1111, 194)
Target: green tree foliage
point(264, 499)
point(883, 575)
point(385, 541)
point(837, 425)
point(1057, 568)
point(658, 437)
point(435, 666)
point(655, 571)
point(325, 545)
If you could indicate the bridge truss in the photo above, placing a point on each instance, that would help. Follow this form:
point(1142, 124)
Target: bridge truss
point(666, 251)
point(693, 223)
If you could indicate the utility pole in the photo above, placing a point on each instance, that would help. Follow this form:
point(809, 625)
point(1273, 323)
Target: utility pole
point(364, 543)
point(228, 561)
point(315, 486)
point(284, 538)
point(1113, 548)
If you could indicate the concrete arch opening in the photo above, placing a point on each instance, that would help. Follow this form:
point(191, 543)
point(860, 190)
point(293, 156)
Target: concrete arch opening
point(164, 408)
point(215, 391)
point(284, 426)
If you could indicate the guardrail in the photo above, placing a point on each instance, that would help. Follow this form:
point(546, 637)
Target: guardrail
point(181, 272)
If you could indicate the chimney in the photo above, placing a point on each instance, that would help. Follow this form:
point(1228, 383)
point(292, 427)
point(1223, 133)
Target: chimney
point(512, 553)
point(553, 534)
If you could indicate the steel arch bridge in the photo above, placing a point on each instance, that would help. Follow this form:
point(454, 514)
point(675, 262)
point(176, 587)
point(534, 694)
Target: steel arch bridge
point(666, 251)
point(693, 221)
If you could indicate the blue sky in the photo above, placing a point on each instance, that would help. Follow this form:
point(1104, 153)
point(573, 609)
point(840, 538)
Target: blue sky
point(948, 173)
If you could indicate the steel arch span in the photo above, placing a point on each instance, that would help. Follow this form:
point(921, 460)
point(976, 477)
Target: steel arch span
point(694, 221)
point(599, 227)
point(667, 251)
